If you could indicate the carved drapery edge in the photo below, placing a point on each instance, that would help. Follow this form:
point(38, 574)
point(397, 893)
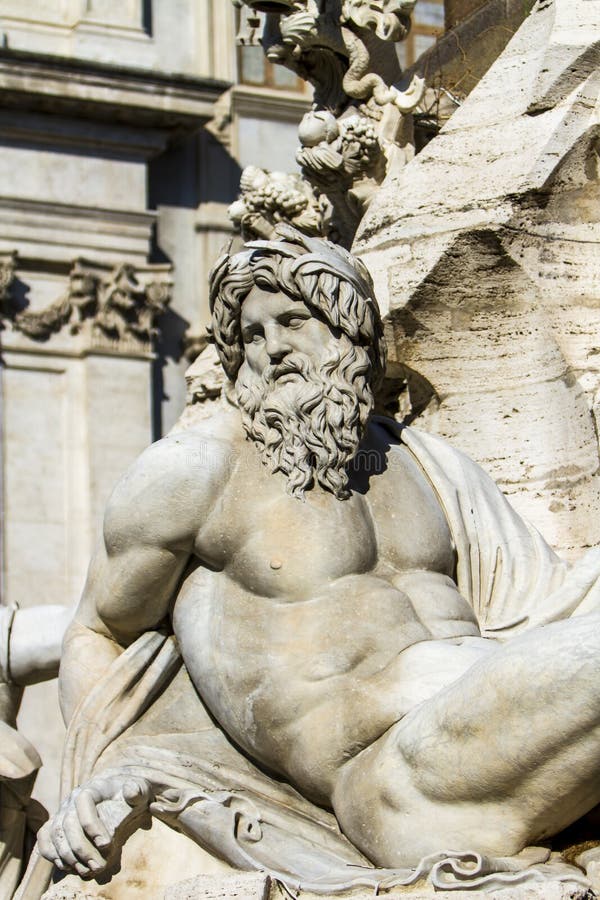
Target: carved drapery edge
point(118, 305)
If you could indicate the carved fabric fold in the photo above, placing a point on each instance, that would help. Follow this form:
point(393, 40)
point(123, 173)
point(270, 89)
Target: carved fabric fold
point(145, 718)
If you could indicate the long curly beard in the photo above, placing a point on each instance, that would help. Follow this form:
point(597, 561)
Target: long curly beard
point(310, 426)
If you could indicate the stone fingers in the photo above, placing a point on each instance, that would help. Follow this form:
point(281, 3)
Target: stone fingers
point(46, 845)
point(92, 824)
point(64, 841)
point(137, 793)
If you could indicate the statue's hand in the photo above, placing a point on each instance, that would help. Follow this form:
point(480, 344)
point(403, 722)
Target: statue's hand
point(90, 828)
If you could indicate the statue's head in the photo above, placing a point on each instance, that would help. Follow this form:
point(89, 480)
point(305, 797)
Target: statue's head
point(298, 332)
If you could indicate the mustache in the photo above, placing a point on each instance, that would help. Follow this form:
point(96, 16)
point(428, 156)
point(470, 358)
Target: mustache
point(293, 364)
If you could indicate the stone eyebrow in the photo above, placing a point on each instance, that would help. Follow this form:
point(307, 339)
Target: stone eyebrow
point(302, 312)
point(250, 329)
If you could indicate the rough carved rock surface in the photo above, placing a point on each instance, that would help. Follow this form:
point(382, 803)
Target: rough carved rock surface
point(241, 886)
point(258, 886)
point(484, 250)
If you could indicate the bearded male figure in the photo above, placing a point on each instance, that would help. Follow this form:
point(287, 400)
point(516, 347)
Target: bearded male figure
point(381, 660)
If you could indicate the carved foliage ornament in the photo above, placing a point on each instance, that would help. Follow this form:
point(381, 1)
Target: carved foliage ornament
point(360, 121)
point(120, 306)
point(7, 276)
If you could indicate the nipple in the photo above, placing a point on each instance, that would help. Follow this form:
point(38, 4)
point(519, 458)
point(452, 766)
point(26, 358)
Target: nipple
point(275, 563)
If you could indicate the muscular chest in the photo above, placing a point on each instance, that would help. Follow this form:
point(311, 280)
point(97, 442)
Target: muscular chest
point(275, 545)
point(411, 526)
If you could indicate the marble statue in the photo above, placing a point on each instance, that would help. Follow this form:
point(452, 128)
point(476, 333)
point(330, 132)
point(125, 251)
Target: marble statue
point(318, 643)
point(30, 644)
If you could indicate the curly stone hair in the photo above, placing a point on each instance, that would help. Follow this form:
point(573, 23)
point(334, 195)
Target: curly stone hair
point(328, 279)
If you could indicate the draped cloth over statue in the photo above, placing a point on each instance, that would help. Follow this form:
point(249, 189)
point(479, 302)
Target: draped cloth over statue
point(511, 577)
point(146, 718)
point(19, 763)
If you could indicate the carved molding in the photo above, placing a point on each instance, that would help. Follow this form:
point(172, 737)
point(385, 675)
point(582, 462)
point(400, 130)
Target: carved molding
point(220, 124)
point(360, 122)
point(118, 307)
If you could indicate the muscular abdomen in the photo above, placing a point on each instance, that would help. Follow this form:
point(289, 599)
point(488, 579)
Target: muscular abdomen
point(265, 668)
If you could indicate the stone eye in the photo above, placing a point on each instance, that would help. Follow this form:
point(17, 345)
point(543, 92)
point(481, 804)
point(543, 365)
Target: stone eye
point(295, 322)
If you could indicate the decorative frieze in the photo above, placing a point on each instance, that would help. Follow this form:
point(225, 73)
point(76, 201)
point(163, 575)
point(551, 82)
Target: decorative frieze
point(7, 276)
point(117, 307)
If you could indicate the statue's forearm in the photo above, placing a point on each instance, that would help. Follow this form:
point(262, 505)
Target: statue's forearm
point(34, 643)
point(86, 657)
point(30, 647)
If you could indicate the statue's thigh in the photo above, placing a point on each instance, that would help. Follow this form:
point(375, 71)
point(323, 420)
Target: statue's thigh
point(506, 755)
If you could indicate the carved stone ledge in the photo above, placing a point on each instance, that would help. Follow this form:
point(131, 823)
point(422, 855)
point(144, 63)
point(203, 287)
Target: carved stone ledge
point(77, 87)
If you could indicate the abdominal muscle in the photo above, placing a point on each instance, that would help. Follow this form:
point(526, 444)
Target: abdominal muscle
point(305, 686)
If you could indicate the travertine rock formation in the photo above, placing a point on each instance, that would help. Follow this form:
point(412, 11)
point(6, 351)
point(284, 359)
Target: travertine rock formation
point(485, 251)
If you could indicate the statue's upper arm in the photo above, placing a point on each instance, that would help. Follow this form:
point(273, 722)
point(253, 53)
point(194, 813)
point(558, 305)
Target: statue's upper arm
point(150, 525)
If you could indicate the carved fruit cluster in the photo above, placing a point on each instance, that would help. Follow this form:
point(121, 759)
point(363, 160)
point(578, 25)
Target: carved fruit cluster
point(276, 197)
point(359, 141)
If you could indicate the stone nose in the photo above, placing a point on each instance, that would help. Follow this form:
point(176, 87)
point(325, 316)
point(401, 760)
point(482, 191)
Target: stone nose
point(277, 343)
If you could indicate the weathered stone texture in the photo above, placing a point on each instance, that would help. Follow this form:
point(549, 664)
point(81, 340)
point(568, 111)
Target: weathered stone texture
point(258, 886)
point(484, 251)
point(241, 886)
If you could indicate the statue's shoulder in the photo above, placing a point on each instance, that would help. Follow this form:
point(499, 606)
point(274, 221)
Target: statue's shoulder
point(221, 435)
point(183, 473)
point(184, 450)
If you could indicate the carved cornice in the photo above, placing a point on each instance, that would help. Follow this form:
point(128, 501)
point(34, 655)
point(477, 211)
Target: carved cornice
point(91, 89)
point(283, 106)
point(117, 308)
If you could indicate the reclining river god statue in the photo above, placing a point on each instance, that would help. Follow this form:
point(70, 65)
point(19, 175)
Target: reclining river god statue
point(314, 641)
